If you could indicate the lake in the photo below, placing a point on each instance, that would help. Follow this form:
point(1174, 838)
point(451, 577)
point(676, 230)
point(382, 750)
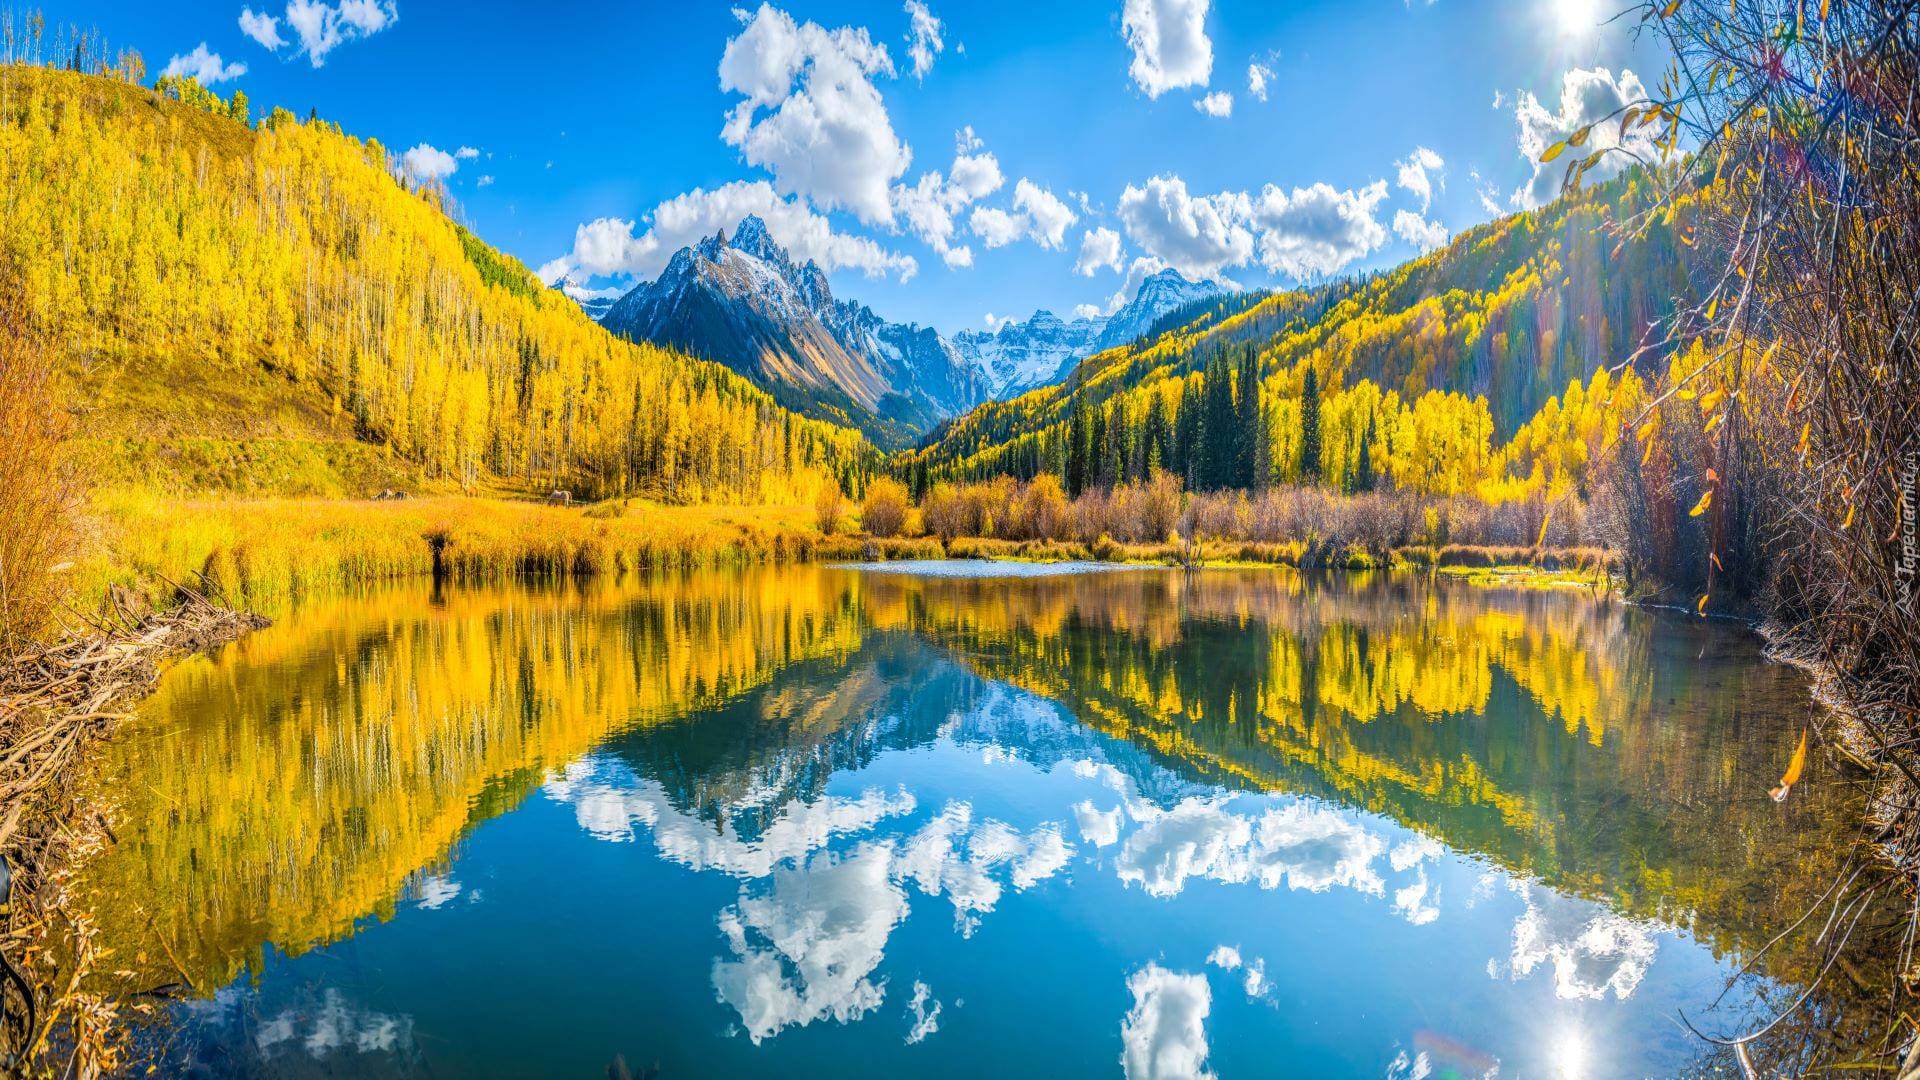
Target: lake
point(862, 822)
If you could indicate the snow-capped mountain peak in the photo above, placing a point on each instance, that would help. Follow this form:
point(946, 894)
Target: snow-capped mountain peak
point(1041, 351)
point(742, 301)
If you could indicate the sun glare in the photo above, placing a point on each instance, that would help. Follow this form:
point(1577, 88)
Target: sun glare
point(1576, 18)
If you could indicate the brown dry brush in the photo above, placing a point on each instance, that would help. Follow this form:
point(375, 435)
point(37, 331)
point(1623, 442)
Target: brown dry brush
point(56, 703)
point(1801, 120)
point(38, 491)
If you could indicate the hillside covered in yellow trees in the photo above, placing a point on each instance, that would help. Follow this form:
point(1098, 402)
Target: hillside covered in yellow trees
point(259, 305)
point(1496, 366)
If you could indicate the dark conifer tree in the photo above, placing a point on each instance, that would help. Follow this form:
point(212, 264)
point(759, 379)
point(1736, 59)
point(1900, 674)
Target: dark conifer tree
point(1247, 428)
point(1079, 446)
point(1363, 477)
point(1310, 428)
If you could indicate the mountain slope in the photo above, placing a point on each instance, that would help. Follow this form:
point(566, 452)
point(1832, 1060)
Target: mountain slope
point(1022, 356)
point(157, 238)
point(1510, 312)
point(744, 303)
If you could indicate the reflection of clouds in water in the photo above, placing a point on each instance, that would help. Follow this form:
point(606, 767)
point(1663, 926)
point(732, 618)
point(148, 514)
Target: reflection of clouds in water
point(1165, 1034)
point(1592, 950)
point(1303, 846)
point(608, 800)
point(806, 949)
point(433, 890)
point(1254, 979)
point(1414, 851)
point(1411, 900)
point(1101, 828)
point(824, 927)
point(1417, 1067)
point(926, 1020)
point(335, 1025)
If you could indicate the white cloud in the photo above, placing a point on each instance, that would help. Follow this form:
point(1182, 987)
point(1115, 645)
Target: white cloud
point(609, 246)
point(807, 949)
point(1318, 230)
point(1586, 97)
point(261, 27)
point(1258, 76)
point(824, 133)
point(1224, 957)
point(433, 891)
point(1088, 311)
point(1499, 100)
point(1416, 175)
point(322, 27)
point(334, 1025)
point(1197, 234)
point(1488, 195)
point(1165, 1033)
point(466, 153)
point(1219, 104)
point(1169, 43)
point(1296, 845)
point(1424, 235)
point(1099, 250)
point(930, 205)
point(1037, 215)
point(926, 1020)
point(1592, 950)
point(923, 38)
point(203, 67)
point(581, 292)
point(1256, 982)
point(975, 173)
point(425, 162)
point(485, 181)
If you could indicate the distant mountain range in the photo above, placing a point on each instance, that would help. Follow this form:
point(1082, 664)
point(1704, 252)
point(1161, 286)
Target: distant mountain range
point(745, 303)
point(1042, 351)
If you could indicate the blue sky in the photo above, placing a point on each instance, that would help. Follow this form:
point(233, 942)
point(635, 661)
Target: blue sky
point(1072, 141)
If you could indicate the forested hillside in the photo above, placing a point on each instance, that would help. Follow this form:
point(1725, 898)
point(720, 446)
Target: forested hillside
point(1481, 363)
point(166, 238)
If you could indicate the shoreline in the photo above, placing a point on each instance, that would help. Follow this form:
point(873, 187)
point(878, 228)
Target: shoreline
point(60, 703)
point(266, 554)
point(1484, 567)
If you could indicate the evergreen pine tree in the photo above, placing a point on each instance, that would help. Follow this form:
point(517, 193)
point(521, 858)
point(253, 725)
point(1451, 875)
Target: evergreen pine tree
point(1310, 428)
point(1079, 446)
point(1247, 429)
point(1363, 478)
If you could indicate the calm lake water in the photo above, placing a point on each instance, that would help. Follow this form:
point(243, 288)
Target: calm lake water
point(816, 821)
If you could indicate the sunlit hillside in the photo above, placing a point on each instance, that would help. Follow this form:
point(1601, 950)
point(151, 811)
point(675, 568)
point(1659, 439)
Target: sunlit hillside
point(1510, 321)
point(264, 306)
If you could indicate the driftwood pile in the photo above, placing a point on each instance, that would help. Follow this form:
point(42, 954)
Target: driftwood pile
point(55, 702)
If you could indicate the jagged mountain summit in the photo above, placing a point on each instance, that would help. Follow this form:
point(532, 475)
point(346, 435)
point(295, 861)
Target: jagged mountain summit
point(1022, 356)
point(743, 301)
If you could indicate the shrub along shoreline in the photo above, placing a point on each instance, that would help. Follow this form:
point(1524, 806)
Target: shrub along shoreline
point(266, 554)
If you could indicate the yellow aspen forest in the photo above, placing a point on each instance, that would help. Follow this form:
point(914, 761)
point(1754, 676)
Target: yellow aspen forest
point(149, 224)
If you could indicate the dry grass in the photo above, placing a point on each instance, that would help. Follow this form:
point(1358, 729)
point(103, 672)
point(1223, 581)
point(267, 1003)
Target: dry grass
point(263, 554)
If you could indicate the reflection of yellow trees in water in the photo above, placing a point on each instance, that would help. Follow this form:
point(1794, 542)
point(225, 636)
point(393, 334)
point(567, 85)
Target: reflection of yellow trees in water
point(1610, 753)
point(292, 787)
